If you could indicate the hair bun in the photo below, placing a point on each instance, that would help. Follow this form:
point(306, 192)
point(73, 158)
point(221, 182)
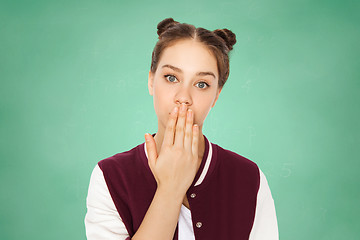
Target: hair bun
point(228, 36)
point(165, 24)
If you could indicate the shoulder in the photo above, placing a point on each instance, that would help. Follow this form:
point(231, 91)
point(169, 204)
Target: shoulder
point(229, 158)
point(121, 160)
point(237, 167)
point(239, 173)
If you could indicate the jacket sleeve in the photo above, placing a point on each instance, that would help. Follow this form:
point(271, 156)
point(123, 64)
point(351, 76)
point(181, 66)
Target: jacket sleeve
point(265, 224)
point(102, 221)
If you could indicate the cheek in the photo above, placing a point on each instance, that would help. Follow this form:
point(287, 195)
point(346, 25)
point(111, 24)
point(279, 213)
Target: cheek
point(202, 111)
point(162, 102)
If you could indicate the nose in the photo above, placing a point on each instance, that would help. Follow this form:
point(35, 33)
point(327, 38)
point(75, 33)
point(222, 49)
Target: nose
point(183, 96)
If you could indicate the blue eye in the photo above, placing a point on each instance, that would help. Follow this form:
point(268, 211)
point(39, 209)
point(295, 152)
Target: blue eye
point(170, 78)
point(202, 85)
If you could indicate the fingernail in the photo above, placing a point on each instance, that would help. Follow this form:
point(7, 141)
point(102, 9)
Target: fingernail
point(176, 109)
point(183, 106)
point(189, 112)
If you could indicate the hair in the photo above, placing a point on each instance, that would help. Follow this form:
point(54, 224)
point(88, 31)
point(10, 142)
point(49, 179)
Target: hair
point(220, 42)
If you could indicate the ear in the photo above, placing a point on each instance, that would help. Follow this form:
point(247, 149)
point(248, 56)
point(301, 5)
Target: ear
point(151, 83)
point(217, 96)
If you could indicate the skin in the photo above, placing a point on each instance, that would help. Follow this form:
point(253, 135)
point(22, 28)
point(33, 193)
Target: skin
point(190, 57)
point(184, 89)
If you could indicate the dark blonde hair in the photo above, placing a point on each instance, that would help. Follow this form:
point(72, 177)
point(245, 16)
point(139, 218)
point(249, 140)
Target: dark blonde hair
point(220, 42)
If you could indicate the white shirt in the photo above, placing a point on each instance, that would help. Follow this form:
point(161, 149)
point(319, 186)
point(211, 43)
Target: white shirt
point(102, 220)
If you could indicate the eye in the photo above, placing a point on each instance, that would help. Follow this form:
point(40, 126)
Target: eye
point(202, 85)
point(170, 78)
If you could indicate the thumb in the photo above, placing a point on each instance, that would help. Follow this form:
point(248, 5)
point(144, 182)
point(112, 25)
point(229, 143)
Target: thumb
point(151, 149)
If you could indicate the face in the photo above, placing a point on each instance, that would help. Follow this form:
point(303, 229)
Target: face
point(187, 73)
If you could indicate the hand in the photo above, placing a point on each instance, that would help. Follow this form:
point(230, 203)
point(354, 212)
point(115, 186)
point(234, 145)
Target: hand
point(176, 166)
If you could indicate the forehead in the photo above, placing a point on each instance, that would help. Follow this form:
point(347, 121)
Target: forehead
point(190, 56)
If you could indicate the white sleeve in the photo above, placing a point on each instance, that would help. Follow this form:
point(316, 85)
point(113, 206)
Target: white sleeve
point(102, 221)
point(265, 224)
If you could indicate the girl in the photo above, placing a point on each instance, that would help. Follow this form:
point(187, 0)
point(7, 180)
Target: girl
point(179, 185)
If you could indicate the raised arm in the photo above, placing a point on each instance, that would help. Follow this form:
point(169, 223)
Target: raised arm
point(174, 170)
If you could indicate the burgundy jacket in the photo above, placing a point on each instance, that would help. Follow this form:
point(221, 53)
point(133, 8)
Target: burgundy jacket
point(222, 206)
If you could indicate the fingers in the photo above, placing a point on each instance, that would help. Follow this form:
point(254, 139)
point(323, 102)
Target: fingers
point(170, 127)
point(151, 149)
point(180, 126)
point(195, 140)
point(188, 129)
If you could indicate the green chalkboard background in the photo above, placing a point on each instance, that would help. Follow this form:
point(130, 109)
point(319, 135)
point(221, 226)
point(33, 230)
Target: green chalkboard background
point(74, 91)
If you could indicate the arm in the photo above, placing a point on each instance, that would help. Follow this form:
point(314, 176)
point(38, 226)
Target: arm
point(174, 170)
point(102, 221)
point(265, 224)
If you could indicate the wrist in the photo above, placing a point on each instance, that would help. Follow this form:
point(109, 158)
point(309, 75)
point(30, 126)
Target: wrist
point(170, 194)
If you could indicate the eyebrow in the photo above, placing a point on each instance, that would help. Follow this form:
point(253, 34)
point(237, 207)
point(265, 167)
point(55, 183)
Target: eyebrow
point(180, 71)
